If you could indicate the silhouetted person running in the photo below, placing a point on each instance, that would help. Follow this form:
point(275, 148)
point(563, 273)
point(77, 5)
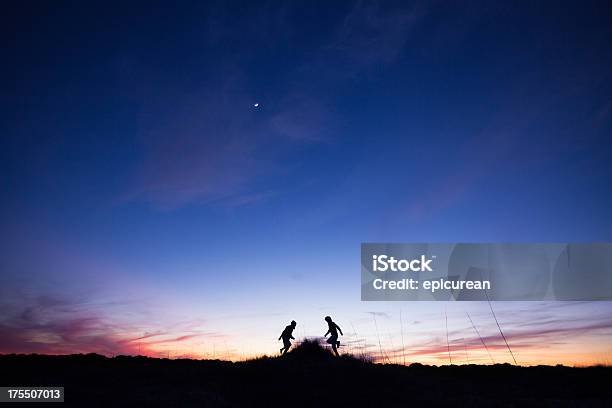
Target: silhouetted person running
point(333, 330)
point(287, 335)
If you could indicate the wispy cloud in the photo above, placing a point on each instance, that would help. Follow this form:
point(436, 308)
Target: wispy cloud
point(54, 325)
point(534, 339)
point(371, 34)
point(210, 145)
point(552, 329)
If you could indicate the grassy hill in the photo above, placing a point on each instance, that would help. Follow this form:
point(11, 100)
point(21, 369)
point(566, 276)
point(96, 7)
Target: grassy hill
point(307, 376)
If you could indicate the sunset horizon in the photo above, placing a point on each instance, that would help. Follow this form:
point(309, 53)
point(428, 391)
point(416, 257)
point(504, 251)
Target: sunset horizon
point(402, 182)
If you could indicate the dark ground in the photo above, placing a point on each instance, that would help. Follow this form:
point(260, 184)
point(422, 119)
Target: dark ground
point(308, 376)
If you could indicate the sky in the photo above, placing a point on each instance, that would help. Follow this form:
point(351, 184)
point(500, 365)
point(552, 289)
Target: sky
point(149, 207)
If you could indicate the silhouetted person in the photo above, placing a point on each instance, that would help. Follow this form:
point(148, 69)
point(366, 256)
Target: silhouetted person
point(333, 330)
point(287, 335)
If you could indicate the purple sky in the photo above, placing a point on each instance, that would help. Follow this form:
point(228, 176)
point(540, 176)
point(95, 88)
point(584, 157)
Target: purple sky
point(149, 207)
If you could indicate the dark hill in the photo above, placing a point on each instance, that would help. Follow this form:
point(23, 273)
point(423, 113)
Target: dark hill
point(307, 376)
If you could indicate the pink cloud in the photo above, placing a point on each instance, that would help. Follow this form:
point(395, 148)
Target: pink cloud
point(51, 325)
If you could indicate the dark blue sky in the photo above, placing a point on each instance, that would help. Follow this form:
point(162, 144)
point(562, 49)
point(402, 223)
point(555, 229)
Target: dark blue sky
point(132, 150)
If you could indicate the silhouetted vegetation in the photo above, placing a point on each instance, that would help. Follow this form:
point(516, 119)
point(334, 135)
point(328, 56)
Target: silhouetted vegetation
point(309, 375)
